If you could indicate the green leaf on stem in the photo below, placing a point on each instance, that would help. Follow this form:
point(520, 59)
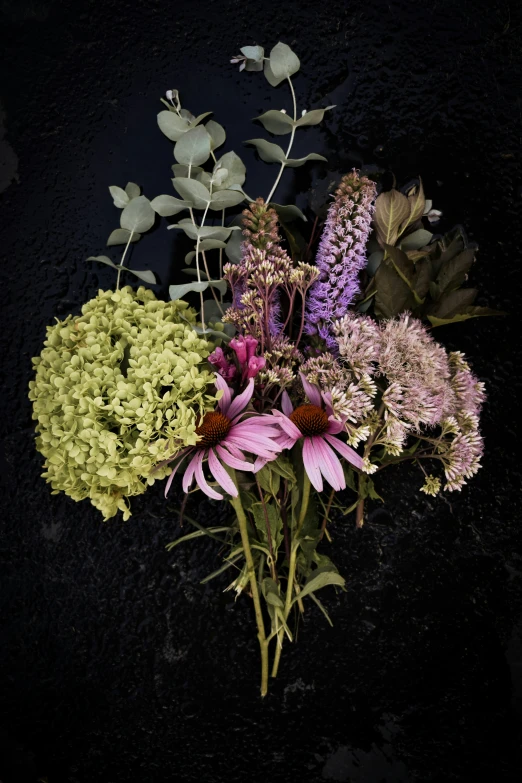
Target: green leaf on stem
point(270, 153)
point(223, 199)
point(119, 196)
point(416, 239)
point(120, 236)
point(166, 206)
point(391, 210)
point(313, 117)
point(283, 62)
point(316, 581)
point(236, 170)
point(180, 170)
point(193, 148)
point(294, 163)
point(132, 190)
point(138, 215)
point(276, 122)
point(193, 191)
point(217, 134)
point(288, 212)
point(172, 125)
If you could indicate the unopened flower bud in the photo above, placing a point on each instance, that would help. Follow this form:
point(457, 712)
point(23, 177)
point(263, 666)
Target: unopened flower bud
point(255, 364)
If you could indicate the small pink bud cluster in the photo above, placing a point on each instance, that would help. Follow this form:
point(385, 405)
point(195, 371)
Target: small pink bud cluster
point(249, 364)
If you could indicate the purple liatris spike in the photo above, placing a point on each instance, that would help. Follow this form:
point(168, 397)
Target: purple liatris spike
point(341, 255)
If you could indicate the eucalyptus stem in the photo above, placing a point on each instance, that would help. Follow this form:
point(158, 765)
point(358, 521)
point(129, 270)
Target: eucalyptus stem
point(120, 265)
point(283, 164)
point(261, 635)
point(291, 569)
point(221, 256)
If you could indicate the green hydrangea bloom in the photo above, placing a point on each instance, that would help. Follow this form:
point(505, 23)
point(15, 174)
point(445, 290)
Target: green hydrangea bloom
point(117, 388)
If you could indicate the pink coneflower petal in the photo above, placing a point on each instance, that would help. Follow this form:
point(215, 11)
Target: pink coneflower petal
point(170, 478)
point(224, 402)
point(233, 461)
point(220, 474)
point(286, 404)
point(254, 427)
point(201, 480)
point(311, 391)
point(287, 425)
point(310, 461)
point(254, 445)
point(329, 464)
point(327, 397)
point(189, 472)
point(241, 401)
point(334, 426)
point(345, 451)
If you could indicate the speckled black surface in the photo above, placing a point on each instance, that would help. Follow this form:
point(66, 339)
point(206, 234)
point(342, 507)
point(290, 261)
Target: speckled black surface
point(116, 664)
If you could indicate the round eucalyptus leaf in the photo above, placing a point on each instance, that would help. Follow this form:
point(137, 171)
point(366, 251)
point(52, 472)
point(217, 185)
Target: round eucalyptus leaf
point(255, 53)
point(216, 132)
point(138, 215)
point(119, 196)
point(192, 190)
point(102, 260)
point(178, 291)
point(193, 148)
point(180, 170)
point(166, 206)
point(313, 117)
point(120, 236)
point(226, 198)
point(132, 190)
point(283, 61)
point(172, 125)
point(146, 275)
point(236, 171)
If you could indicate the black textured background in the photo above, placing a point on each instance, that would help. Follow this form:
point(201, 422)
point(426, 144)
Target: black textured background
point(116, 664)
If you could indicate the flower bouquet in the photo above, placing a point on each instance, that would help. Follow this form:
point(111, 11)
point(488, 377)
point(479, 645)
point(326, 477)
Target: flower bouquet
point(311, 367)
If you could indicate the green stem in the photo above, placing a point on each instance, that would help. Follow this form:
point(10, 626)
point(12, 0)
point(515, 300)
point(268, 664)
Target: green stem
point(283, 164)
point(261, 635)
point(291, 569)
point(122, 260)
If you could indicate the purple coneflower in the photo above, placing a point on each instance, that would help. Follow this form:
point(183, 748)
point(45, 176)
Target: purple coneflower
point(225, 435)
point(315, 423)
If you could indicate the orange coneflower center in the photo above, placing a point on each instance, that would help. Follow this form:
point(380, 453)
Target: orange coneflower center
point(310, 419)
point(212, 428)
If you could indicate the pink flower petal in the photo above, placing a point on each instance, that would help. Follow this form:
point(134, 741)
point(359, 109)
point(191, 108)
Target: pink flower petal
point(327, 398)
point(250, 427)
point(334, 426)
point(311, 391)
point(254, 445)
point(171, 477)
point(224, 402)
point(287, 425)
point(189, 472)
point(345, 451)
point(201, 480)
point(233, 461)
point(329, 464)
point(220, 474)
point(286, 404)
point(241, 401)
point(310, 461)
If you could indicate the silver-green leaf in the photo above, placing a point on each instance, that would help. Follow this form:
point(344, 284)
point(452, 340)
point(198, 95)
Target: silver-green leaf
point(145, 274)
point(180, 170)
point(313, 117)
point(293, 163)
point(283, 62)
point(103, 260)
point(217, 134)
point(270, 153)
point(226, 198)
point(166, 206)
point(119, 196)
point(120, 236)
point(416, 240)
point(255, 53)
point(288, 212)
point(193, 148)
point(193, 191)
point(211, 244)
point(276, 122)
point(132, 190)
point(178, 291)
point(172, 125)
point(138, 215)
point(236, 170)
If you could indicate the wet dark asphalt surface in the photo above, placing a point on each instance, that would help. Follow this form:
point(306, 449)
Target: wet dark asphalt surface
point(116, 665)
